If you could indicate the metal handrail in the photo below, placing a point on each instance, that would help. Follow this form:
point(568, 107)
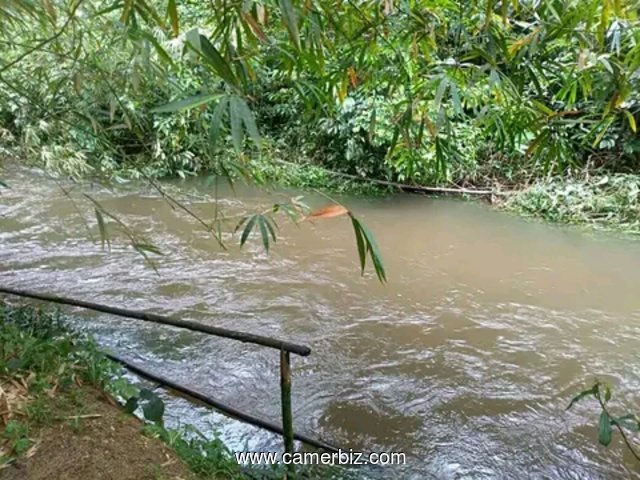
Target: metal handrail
point(285, 349)
point(301, 350)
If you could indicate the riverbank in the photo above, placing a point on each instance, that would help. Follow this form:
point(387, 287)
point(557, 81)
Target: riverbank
point(61, 419)
point(608, 202)
point(603, 201)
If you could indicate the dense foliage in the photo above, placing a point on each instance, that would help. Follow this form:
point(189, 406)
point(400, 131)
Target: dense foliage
point(431, 92)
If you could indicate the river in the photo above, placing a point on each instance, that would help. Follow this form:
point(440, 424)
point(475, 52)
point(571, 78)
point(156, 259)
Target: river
point(465, 360)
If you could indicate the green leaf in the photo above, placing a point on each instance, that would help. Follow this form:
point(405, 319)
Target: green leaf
point(264, 232)
point(237, 134)
point(216, 121)
point(153, 407)
point(591, 391)
point(212, 57)
point(247, 230)
point(290, 20)
point(455, 99)
point(104, 237)
point(21, 445)
point(604, 429)
point(172, 12)
point(247, 118)
point(190, 102)
point(440, 93)
point(146, 394)
point(131, 405)
point(628, 421)
point(376, 257)
point(631, 120)
point(362, 253)
point(272, 231)
point(146, 247)
point(15, 364)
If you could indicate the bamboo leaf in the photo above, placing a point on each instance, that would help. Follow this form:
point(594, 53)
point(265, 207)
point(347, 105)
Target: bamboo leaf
point(148, 12)
point(362, 254)
point(147, 247)
point(240, 223)
point(290, 19)
point(236, 124)
point(216, 61)
point(442, 87)
point(126, 10)
point(272, 231)
point(172, 12)
point(374, 250)
point(249, 121)
point(604, 125)
point(247, 230)
point(264, 232)
point(216, 121)
point(212, 57)
point(631, 120)
point(104, 237)
point(253, 25)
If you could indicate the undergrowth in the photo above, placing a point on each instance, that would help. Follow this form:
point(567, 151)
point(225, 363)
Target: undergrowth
point(607, 201)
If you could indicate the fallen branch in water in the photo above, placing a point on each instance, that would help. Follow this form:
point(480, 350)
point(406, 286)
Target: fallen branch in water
point(406, 186)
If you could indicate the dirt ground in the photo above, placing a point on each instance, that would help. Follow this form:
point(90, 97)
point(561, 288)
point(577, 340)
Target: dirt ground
point(103, 443)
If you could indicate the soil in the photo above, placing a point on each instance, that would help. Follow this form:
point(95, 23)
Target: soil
point(101, 443)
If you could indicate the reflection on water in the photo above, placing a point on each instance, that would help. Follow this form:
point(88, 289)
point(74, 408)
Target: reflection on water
point(466, 360)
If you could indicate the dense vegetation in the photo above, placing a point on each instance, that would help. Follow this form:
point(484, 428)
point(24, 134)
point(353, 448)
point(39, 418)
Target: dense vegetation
point(491, 93)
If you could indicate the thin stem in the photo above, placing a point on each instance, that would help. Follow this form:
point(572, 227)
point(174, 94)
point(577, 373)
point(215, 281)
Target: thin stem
point(622, 434)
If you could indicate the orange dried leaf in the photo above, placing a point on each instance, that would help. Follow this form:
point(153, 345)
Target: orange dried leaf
point(328, 212)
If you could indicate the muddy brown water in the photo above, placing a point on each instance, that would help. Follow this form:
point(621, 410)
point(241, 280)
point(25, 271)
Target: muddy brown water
point(465, 360)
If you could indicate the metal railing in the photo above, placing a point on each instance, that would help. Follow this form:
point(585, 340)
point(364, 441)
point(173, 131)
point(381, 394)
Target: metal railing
point(285, 348)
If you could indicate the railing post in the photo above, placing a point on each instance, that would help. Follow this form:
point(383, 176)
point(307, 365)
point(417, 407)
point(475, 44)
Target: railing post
point(285, 398)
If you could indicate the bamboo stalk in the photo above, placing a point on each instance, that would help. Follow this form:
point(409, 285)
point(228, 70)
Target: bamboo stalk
point(287, 414)
point(301, 350)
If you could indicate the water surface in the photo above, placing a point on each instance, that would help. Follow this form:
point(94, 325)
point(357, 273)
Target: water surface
point(465, 360)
